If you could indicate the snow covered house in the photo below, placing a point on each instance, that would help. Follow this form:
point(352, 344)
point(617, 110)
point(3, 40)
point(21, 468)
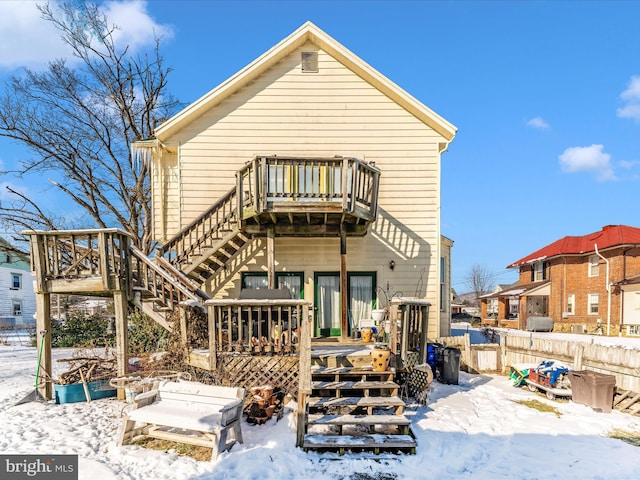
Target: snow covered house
point(333, 172)
point(17, 298)
point(290, 202)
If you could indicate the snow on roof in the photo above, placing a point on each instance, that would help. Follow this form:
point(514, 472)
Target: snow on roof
point(609, 236)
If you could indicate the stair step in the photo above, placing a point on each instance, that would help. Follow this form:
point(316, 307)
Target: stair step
point(350, 385)
point(355, 402)
point(390, 420)
point(320, 370)
point(347, 442)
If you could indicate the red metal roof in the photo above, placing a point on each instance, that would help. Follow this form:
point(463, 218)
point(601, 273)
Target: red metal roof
point(609, 236)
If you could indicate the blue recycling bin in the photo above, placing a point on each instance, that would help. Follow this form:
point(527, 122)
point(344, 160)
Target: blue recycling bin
point(433, 356)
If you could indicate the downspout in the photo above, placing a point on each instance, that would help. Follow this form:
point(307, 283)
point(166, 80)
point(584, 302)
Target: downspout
point(608, 287)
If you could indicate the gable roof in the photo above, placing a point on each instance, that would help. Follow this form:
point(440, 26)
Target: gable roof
point(308, 32)
point(609, 236)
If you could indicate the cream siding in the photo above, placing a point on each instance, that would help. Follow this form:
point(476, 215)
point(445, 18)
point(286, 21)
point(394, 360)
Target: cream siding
point(332, 112)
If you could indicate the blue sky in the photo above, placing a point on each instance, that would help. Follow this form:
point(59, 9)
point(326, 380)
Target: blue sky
point(545, 95)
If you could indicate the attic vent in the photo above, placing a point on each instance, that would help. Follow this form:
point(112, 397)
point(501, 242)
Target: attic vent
point(309, 62)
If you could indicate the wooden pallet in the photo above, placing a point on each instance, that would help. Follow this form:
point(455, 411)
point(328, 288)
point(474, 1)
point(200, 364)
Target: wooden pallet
point(627, 401)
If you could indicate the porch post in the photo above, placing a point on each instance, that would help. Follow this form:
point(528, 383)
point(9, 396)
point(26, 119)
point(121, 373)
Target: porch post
point(344, 299)
point(271, 260)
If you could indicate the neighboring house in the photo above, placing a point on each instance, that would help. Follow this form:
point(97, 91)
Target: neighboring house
point(17, 297)
point(586, 283)
point(338, 172)
point(494, 310)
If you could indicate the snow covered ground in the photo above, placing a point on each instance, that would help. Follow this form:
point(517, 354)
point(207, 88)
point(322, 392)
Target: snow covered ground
point(473, 430)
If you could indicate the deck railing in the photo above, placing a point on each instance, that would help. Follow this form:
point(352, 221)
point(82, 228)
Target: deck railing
point(409, 319)
point(255, 326)
point(80, 254)
point(331, 184)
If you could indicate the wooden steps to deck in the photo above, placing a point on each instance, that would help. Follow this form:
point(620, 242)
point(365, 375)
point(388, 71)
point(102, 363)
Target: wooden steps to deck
point(354, 409)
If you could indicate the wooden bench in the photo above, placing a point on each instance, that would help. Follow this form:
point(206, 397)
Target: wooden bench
point(186, 412)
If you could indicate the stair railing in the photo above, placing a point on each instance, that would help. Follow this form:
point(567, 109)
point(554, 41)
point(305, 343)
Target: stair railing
point(202, 232)
point(169, 289)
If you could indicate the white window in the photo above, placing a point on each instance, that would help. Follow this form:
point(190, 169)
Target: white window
point(17, 308)
point(594, 266)
point(592, 307)
point(571, 304)
point(538, 271)
point(16, 281)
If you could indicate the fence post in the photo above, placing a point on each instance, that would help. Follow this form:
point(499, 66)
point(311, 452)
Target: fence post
point(577, 357)
point(467, 350)
point(503, 351)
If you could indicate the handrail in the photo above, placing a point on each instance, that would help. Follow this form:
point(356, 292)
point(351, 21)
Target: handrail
point(168, 284)
point(207, 226)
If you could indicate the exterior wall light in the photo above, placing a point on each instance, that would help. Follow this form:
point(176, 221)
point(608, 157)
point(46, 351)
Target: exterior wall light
point(392, 265)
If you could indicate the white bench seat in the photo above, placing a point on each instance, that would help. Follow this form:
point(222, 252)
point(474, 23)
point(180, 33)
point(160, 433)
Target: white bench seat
point(204, 414)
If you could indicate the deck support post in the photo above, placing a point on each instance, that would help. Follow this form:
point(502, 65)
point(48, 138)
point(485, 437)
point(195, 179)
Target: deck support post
point(271, 260)
point(121, 310)
point(344, 299)
point(43, 324)
point(304, 373)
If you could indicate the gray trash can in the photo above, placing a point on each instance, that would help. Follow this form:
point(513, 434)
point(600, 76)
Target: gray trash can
point(450, 365)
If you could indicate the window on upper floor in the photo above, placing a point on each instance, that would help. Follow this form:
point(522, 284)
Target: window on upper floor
point(571, 304)
point(592, 307)
point(594, 265)
point(16, 281)
point(17, 308)
point(538, 271)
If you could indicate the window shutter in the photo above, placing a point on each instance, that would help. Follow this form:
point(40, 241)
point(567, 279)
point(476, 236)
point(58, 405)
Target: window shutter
point(544, 270)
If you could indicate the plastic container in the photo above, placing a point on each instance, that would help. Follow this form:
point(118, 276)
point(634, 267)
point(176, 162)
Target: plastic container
point(450, 365)
point(593, 389)
point(434, 355)
point(75, 392)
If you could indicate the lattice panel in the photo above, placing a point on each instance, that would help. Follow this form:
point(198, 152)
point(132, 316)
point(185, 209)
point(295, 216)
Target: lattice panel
point(248, 371)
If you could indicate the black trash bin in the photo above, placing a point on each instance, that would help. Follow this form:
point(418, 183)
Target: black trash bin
point(450, 365)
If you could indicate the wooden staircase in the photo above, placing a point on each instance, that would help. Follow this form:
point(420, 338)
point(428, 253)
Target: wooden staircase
point(209, 242)
point(356, 409)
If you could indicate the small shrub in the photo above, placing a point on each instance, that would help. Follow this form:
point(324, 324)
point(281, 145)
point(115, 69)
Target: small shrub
point(80, 330)
point(145, 335)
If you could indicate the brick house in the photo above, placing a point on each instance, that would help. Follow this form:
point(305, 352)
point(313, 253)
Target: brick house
point(587, 283)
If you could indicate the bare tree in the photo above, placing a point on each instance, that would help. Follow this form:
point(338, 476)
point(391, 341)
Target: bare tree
point(78, 123)
point(480, 280)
